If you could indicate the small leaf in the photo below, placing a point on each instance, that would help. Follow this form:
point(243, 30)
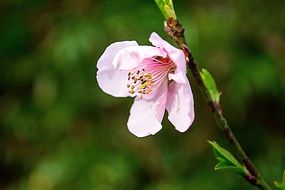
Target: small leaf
point(210, 84)
point(227, 162)
point(223, 166)
point(281, 185)
point(166, 8)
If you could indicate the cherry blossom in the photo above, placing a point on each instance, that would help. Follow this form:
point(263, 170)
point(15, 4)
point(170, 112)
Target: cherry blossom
point(155, 76)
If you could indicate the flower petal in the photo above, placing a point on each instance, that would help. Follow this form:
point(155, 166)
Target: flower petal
point(131, 57)
point(106, 59)
point(178, 57)
point(175, 54)
point(178, 76)
point(157, 41)
point(146, 116)
point(180, 106)
point(111, 81)
point(160, 102)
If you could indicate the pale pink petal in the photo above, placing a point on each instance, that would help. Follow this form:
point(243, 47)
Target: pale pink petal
point(160, 101)
point(180, 106)
point(106, 59)
point(131, 57)
point(178, 76)
point(175, 54)
point(157, 41)
point(178, 57)
point(111, 81)
point(146, 116)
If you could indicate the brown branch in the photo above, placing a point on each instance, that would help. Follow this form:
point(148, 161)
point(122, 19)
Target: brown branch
point(176, 31)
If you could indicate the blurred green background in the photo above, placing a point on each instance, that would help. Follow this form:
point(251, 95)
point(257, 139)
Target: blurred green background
point(60, 131)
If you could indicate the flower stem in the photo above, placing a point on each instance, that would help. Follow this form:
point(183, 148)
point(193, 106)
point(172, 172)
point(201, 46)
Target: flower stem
point(176, 31)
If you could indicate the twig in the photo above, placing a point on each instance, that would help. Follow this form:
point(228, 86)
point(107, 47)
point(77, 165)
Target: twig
point(176, 31)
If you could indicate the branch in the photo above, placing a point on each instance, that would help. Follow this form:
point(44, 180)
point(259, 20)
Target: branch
point(176, 31)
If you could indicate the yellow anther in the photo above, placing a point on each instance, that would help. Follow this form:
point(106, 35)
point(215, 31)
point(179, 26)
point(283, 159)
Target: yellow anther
point(141, 82)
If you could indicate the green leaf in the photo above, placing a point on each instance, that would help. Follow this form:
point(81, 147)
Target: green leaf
point(281, 185)
point(210, 84)
point(227, 162)
point(166, 8)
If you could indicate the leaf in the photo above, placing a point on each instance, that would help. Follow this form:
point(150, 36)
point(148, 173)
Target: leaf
point(227, 162)
point(210, 84)
point(281, 185)
point(166, 8)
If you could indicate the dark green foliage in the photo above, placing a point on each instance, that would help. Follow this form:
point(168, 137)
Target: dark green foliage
point(58, 130)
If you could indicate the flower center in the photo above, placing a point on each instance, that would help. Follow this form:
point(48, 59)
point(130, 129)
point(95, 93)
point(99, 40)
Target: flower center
point(149, 75)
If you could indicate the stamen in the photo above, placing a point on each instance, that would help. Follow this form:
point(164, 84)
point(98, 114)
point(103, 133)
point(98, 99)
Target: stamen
point(149, 75)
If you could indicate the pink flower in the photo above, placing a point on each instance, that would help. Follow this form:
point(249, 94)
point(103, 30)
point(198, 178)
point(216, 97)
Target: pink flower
point(155, 76)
